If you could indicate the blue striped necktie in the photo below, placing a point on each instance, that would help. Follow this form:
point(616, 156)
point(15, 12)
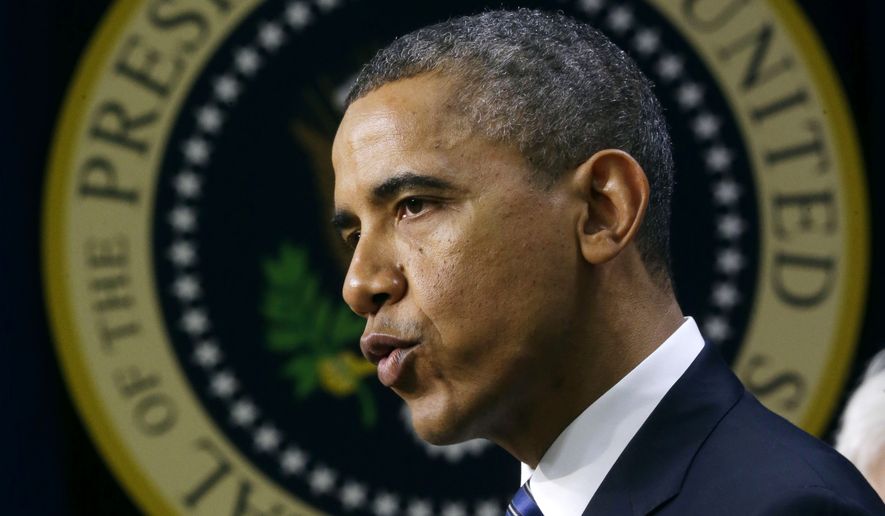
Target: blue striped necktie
point(523, 503)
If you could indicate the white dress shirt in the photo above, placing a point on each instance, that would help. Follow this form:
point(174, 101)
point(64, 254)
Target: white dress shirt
point(574, 466)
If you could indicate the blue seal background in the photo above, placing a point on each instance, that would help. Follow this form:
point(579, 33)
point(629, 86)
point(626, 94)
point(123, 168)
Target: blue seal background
point(49, 465)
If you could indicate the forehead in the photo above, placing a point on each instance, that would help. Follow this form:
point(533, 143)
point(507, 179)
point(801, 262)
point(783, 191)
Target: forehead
point(411, 124)
point(423, 106)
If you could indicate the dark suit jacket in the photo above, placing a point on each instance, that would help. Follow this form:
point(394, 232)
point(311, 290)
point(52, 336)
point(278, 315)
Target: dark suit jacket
point(709, 448)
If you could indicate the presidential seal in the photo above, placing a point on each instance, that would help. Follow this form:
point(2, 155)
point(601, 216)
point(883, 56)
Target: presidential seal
point(193, 280)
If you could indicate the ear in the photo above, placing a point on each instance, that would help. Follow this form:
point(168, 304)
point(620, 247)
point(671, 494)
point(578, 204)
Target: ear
point(614, 191)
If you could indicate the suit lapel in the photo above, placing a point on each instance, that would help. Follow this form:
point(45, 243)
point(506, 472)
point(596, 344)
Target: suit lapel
point(651, 469)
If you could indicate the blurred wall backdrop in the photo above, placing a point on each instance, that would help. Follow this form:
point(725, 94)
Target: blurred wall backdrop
point(173, 336)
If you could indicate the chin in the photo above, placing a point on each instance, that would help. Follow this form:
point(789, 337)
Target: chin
point(439, 426)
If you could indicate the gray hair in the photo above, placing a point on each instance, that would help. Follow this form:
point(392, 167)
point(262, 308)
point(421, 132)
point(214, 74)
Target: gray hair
point(861, 437)
point(555, 88)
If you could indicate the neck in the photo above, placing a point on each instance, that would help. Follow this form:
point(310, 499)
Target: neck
point(619, 333)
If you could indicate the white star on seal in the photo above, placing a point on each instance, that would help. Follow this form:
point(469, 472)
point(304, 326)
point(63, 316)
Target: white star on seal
point(183, 219)
point(196, 150)
point(209, 118)
point(227, 89)
point(725, 295)
point(327, 5)
point(352, 495)
point(647, 41)
point(419, 507)
point(669, 67)
point(182, 253)
point(322, 480)
point(716, 328)
point(223, 384)
point(271, 36)
point(730, 226)
point(592, 6)
point(298, 15)
point(718, 158)
point(243, 413)
point(267, 438)
point(726, 191)
point(186, 288)
point(488, 508)
point(729, 261)
point(293, 460)
point(453, 509)
point(385, 504)
point(187, 184)
point(705, 126)
point(690, 95)
point(207, 354)
point(620, 19)
point(247, 60)
point(195, 321)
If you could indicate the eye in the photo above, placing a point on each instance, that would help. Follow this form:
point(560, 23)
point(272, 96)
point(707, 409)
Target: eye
point(410, 207)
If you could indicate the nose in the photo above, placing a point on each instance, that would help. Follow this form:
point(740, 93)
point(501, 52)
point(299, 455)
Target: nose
point(373, 280)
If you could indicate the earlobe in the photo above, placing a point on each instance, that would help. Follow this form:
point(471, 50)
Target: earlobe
point(613, 191)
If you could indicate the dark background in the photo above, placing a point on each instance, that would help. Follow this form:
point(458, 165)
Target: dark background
point(50, 466)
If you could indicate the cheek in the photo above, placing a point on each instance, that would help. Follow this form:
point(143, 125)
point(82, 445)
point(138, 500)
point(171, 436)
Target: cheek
point(491, 279)
point(456, 277)
point(438, 272)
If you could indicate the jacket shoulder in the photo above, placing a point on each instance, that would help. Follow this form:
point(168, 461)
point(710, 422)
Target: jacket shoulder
point(816, 500)
point(758, 463)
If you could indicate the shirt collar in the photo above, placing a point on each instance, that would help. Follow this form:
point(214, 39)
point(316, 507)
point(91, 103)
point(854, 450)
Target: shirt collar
point(574, 466)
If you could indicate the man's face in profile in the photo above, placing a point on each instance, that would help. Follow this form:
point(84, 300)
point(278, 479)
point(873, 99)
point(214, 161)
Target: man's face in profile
point(464, 268)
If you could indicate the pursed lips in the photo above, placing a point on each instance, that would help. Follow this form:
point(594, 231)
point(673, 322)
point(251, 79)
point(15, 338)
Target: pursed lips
point(376, 346)
point(388, 353)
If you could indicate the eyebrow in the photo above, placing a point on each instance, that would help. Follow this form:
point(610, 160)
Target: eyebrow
point(396, 184)
point(391, 188)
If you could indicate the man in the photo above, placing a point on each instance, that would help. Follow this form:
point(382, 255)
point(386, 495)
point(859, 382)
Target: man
point(861, 437)
point(504, 182)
